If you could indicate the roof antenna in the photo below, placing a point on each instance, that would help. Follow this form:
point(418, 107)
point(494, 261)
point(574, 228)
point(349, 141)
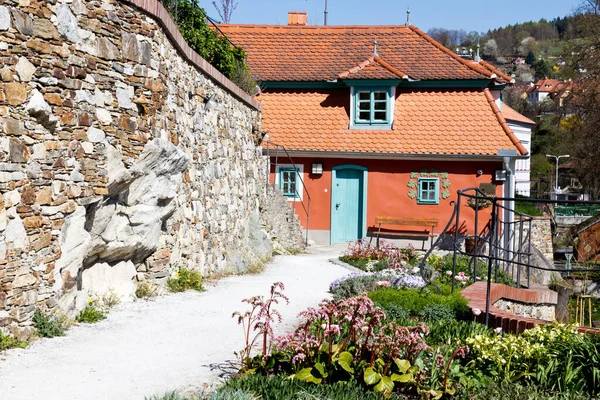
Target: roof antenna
point(408, 16)
point(375, 48)
point(326, 13)
point(477, 58)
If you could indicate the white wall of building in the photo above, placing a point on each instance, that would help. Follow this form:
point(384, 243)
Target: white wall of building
point(522, 166)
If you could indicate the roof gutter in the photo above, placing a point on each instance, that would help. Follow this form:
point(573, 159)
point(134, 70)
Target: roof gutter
point(391, 156)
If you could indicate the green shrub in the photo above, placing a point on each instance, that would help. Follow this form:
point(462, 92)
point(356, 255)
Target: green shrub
point(185, 279)
point(437, 312)
point(146, 290)
point(396, 312)
point(90, 314)
point(9, 342)
point(415, 300)
point(47, 326)
point(278, 388)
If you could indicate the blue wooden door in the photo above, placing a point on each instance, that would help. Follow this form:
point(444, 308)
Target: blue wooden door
point(347, 205)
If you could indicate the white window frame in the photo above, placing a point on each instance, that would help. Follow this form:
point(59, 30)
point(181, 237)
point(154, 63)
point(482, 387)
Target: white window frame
point(373, 127)
point(299, 182)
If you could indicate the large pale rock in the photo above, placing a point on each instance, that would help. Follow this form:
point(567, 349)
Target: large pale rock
point(4, 19)
point(15, 233)
point(25, 69)
point(124, 98)
point(75, 242)
point(67, 23)
point(41, 111)
point(160, 168)
point(134, 49)
point(103, 278)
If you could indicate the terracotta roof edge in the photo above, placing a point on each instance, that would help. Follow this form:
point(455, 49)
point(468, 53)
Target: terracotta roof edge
point(497, 71)
point(511, 135)
point(390, 67)
point(439, 46)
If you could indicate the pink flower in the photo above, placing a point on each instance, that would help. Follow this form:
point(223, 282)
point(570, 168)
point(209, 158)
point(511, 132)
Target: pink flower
point(476, 311)
point(382, 283)
point(416, 270)
point(498, 330)
point(449, 273)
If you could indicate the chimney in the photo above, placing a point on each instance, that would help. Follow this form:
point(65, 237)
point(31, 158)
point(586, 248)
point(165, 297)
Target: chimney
point(298, 18)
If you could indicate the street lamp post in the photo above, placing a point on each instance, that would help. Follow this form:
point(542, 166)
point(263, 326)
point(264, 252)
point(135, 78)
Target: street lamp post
point(557, 158)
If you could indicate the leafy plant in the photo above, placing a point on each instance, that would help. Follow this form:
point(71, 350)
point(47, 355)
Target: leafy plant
point(452, 332)
point(9, 342)
point(437, 312)
point(210, 45)
point(185, 279)
point(47, 326)
point(362, 255)
point(91, 313)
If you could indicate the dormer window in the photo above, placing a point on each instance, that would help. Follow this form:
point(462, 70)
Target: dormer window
point(372, 107)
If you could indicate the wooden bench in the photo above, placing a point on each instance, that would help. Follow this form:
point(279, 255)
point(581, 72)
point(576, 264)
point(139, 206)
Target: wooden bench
point(429, 222)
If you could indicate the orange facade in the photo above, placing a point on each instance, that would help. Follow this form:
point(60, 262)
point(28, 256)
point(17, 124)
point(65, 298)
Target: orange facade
point(388, 190)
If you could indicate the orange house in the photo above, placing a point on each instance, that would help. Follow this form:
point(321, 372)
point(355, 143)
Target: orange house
point(379, 121)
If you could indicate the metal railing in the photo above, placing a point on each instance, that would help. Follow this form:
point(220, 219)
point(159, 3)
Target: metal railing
point(504, 242)
point(274, 151)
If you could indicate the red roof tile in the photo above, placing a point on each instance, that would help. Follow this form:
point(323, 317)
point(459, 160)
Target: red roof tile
point(441, 122)
point(321, 53)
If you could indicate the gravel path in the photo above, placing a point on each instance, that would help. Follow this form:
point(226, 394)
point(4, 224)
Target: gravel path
point(181, 341)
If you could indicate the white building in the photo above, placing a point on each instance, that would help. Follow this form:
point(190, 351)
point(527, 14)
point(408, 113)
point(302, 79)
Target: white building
point(521, 126)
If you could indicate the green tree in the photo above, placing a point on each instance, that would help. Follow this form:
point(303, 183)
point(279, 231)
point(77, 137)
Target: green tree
point(543, 69)
point(210, 44)
point(530, 60)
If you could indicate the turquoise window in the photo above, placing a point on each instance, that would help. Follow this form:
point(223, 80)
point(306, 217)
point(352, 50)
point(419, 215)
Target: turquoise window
point(372, 106)
point(288, 181)
point(429, 191)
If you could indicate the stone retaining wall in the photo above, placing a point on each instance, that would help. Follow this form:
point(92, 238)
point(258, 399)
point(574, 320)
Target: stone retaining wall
point(114, 167)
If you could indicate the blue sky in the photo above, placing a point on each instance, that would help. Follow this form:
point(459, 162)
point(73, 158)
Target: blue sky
point(477, 15)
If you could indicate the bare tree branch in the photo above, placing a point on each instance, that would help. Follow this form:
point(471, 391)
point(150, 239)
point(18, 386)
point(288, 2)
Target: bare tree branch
point(225, 8)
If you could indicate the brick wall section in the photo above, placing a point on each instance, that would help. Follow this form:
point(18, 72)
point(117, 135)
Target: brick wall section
point(476, 295)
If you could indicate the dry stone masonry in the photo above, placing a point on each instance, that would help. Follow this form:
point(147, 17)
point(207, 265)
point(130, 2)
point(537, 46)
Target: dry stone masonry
point(112, 168)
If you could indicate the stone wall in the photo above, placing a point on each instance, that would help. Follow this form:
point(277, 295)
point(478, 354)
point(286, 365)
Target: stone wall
point(114, 167)
point(282, 221)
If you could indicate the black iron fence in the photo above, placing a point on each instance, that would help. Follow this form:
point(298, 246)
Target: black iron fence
point(501, 237)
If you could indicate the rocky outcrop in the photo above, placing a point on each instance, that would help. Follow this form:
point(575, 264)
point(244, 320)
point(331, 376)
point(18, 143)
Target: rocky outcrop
point(112, 170)
point(281, 221)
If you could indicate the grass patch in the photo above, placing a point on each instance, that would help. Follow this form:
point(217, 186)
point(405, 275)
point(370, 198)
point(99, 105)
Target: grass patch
point(278, 388)
point(146, 290)
point(9, 342)
point(185, 279)
point(90, 314)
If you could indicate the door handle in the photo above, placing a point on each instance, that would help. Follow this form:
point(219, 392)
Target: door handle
point(337, 205)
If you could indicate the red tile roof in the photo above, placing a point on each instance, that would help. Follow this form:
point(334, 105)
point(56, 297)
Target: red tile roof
point(322, 53)
point(512, 115)
point(373, 68)
point(428, 122)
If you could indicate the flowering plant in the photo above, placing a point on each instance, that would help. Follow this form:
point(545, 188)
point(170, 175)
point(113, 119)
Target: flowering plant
point(363, 282)
point(259, 318)
point(386, 256)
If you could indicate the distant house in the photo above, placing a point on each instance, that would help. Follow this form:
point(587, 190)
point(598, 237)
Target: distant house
point(380, 121)
point(552, 88)
point(521, 126)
